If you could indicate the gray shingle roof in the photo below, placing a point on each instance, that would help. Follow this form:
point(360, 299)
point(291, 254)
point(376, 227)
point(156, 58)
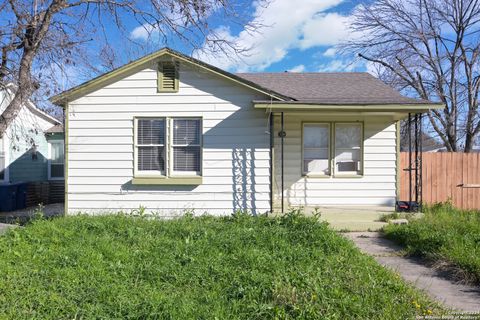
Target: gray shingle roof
point(340, 88)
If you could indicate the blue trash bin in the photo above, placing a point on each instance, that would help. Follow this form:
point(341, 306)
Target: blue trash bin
point(8, 197)
point(21, 196)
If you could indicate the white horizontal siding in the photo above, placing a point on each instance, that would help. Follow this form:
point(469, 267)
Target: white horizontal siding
point(235, 146)
point(206, 187)
point(124, 182)
point(208, 154)
point(377, 186)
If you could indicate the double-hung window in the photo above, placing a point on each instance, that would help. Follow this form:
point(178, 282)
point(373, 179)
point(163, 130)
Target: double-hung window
point(332, 149)
point(316, 148)
point(348, 148)
point(186, 146)
point(150, 146)
point(168, 147)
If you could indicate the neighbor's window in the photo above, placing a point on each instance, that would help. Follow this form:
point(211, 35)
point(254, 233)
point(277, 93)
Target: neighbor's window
point(2, 161)
point(168, 146)
point(56, 161)
point(316, 148)
point(348, 148)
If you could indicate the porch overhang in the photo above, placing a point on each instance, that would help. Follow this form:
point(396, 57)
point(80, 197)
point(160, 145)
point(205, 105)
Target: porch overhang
point(398, 111)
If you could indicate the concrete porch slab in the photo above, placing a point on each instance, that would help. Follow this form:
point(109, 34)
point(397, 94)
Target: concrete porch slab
point(358, 218)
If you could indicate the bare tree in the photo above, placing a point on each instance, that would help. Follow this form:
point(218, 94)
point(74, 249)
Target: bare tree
point(430, 49)
point(39, 36)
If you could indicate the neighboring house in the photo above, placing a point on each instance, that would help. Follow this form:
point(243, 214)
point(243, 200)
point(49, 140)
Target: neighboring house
point(171, 133)
point(29, 150)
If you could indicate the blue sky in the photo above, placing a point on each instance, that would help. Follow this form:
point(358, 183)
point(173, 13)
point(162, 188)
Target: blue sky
point(299, 35)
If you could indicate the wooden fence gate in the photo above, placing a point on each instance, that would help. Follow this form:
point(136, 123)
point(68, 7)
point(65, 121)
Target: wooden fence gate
point(453, 176)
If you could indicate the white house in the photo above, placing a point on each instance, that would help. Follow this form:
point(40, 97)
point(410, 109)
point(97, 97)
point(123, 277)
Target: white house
point(32, 144)
point(170, 133)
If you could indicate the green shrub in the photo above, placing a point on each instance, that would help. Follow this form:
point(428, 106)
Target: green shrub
point(238, 267)
point(444, 235)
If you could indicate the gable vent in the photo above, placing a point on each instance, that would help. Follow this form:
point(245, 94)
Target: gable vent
point(167, 77)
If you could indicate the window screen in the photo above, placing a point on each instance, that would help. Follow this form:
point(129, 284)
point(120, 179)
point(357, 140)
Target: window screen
point(2, 161)
point(57, 160)
point(348, 147)
point(316, 141)
point(151, 144)
point(186, 145)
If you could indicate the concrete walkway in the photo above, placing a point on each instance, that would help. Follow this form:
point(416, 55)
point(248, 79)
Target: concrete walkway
point(456, 296)
point(4, 227)
point(24, 215)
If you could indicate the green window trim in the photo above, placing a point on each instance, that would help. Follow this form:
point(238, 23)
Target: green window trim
point(168, 176)
point(190, 181)
point(318, 174)
point(348, 174)
point(167, 76)
point(332, 169)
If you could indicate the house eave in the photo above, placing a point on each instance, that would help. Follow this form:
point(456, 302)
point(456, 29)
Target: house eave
point(313, 107)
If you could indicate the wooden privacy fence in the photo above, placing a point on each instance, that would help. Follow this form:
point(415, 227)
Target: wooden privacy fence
point(453, 176)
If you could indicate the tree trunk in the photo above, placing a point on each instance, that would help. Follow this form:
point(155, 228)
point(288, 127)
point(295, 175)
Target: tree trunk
point(21, 94)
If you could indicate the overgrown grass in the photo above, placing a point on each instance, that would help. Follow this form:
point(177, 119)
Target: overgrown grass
point(446, 236)
point(240, 267)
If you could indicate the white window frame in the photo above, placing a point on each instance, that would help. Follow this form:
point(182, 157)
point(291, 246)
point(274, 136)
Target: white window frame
point(333, 172)
point(171, 146)
point(359, 172)
point(50, 143)
point(4, 142)
point(145, 173)
point(169, 159)
point(321, 174)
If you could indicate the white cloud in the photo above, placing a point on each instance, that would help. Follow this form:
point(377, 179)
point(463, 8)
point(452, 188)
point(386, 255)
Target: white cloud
point(340, 65)
point(142, 32)
point(324, 30)
point(288, 25)
point(299, 68)
point(330, 52)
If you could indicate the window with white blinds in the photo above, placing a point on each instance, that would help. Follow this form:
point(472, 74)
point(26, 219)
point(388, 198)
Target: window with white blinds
point(150, 146)
point(2, 161)
point(186, 145)
point(168, 146)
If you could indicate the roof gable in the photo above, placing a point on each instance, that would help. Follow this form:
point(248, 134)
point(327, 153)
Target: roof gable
point(124, 70)
point(9, 91)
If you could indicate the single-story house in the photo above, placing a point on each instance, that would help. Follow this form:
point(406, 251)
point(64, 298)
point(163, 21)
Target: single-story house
point(170, 133)
point(31, 149)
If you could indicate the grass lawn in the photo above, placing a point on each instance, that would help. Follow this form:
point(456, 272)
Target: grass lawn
point(240, 267)
point(445, 236)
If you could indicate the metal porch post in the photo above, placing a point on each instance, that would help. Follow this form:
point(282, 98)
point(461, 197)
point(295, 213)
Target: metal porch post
point(416, 157)
point(282, 136)
point(420, 162)
point(271, 161)
point(409, 128)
